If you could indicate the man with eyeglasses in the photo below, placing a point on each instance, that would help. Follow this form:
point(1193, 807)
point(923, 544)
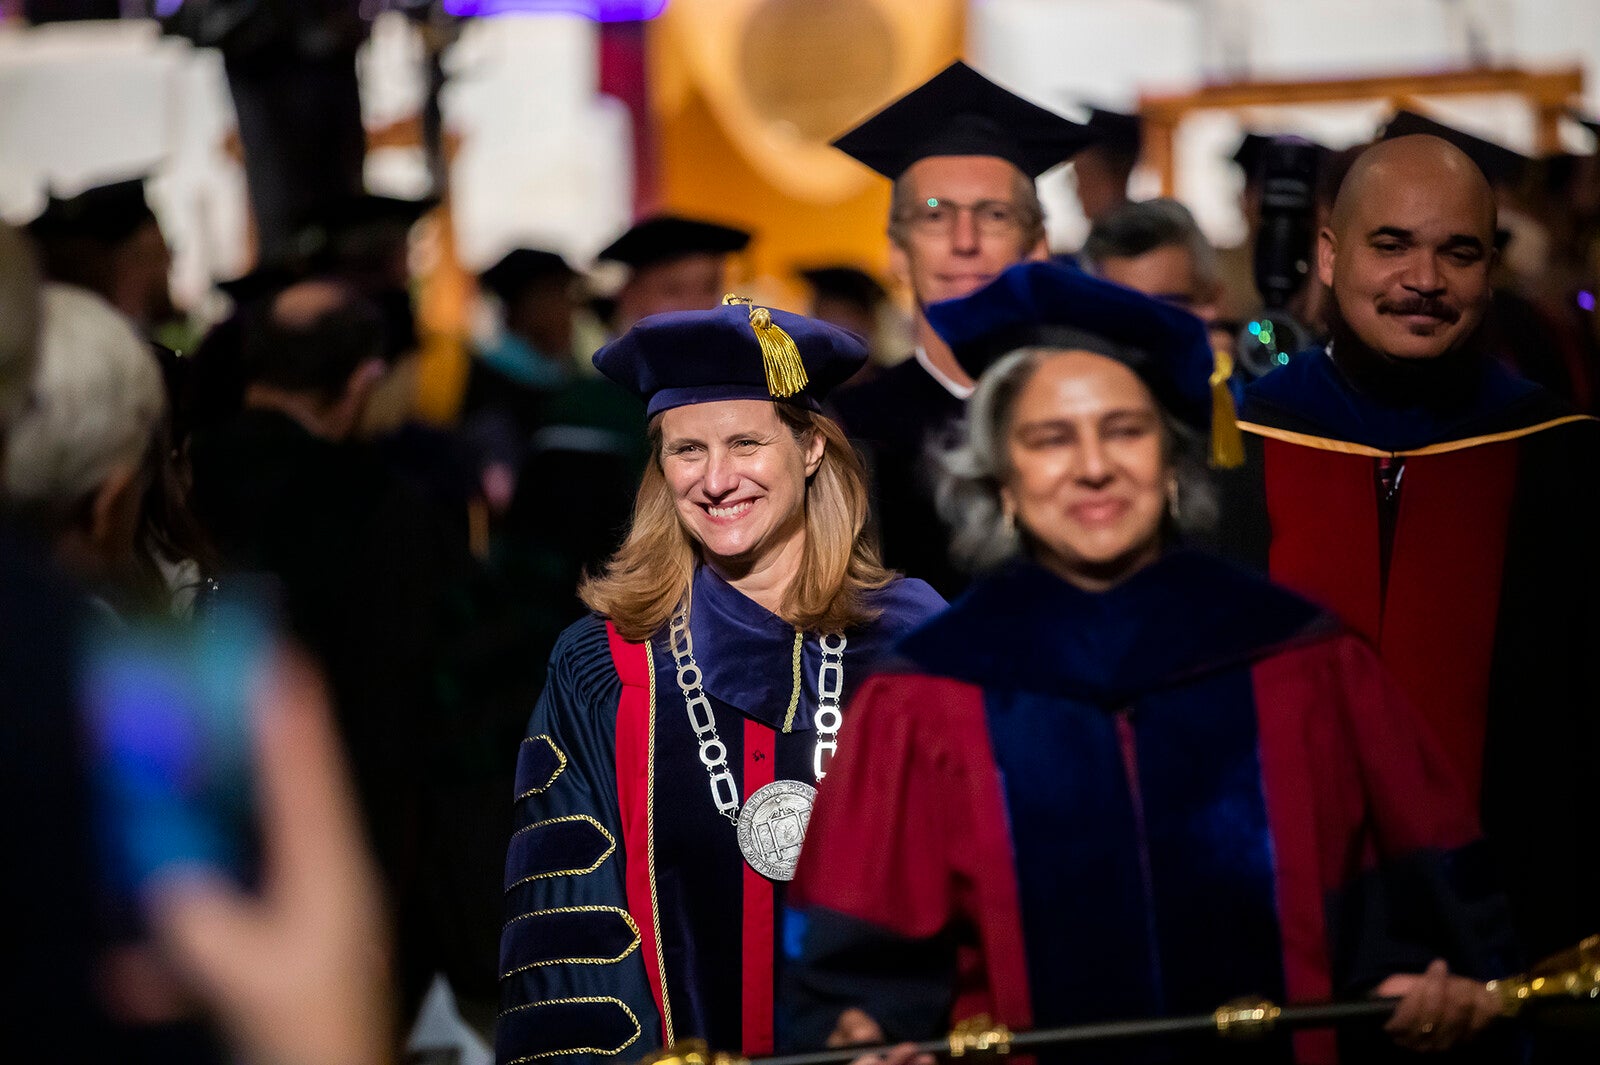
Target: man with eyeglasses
point(963, 154)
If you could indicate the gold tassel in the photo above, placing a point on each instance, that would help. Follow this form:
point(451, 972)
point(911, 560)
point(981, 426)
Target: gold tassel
point(1227, 445)
point(780, 358)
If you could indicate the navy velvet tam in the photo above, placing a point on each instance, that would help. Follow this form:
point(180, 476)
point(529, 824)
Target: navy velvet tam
point(1046, 304)
point(736, 351)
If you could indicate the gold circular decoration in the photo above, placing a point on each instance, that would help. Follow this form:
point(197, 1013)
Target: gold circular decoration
point(816, 66)
point(784, 77)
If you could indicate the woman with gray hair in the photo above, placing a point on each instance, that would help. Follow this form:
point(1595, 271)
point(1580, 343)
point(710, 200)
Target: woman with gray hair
point(78, 456)
point(1120, 778)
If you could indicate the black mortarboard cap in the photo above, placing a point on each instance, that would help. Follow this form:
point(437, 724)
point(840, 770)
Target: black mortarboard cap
point(1554, 172)
point(1499, 164)
point(846, 283)
point(344, 213)
point(960, 112)
point(665, 237)
point(1248, 154)
point(520, 268)
point(106, 213)
point(261, 282)
point(683, 357)
point(345, 229)
point(1252, 152)
point(1117, 130)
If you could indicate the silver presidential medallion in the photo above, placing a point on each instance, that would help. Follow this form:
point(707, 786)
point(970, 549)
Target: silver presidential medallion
point(772, 827)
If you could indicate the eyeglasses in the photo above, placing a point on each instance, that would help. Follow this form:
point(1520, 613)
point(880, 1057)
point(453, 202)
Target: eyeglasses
point(937, 218)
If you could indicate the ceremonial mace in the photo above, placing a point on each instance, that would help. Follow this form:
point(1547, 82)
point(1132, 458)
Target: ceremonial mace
point(1572, 976)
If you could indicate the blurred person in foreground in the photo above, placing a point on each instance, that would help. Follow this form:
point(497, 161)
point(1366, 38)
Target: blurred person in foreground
point(1155, 247)
point(49, 1009)
point(1120, 778)
point(963, 154)
point(1448, 512)
point(297, 971)
point(79, 461)
point(664, 786)
point(294, 975)
point(80, 458)
point(365, 561)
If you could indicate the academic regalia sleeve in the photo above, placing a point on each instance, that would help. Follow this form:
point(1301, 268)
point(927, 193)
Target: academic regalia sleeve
point(888, 889)
point(572, 980)
point(1405, 875)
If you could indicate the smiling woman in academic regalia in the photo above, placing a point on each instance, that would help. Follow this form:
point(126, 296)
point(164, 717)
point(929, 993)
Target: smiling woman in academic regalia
point(1119, 778)
point(667, 778)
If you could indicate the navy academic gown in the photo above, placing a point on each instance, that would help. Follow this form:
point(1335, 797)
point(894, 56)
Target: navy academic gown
point(892, 419)
point(633, 919)
point(1059, 807)
point(1460, 539)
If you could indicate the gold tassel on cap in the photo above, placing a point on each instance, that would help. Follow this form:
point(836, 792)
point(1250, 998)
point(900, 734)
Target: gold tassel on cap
point(780, 358)
point(1227, 444)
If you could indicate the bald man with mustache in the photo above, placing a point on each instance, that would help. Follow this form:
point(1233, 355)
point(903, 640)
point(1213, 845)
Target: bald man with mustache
point(1449, 512)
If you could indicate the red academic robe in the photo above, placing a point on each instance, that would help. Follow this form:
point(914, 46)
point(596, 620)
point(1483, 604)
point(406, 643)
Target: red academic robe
point(1461, 542)
point(1064, 808)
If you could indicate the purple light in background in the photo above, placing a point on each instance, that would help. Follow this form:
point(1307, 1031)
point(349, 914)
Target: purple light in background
point(1586, 300)
point(598, 10)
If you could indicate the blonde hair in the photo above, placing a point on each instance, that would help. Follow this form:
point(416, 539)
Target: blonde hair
point(642, 584)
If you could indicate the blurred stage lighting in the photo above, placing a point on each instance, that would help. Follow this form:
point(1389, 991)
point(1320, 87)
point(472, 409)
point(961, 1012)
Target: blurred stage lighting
point(598, 10)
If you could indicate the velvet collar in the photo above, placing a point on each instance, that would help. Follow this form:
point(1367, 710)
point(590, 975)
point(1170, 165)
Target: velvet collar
point(1312, 395)
point(746, 652)
point(1185, 615)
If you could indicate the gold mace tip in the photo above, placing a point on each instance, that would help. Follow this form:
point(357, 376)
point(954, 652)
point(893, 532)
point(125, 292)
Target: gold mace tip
point(979, 1035)
point(692, 1052)
point(1573, 975)
point(1247, 1018)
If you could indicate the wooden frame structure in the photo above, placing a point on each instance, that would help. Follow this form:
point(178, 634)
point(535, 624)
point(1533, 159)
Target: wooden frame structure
point(1550, 94)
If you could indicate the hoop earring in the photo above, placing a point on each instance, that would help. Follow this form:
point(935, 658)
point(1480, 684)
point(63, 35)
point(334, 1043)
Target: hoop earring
point(1172, 501)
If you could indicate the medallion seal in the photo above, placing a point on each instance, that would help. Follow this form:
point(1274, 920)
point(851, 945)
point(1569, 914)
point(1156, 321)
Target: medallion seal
point(772, 827)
